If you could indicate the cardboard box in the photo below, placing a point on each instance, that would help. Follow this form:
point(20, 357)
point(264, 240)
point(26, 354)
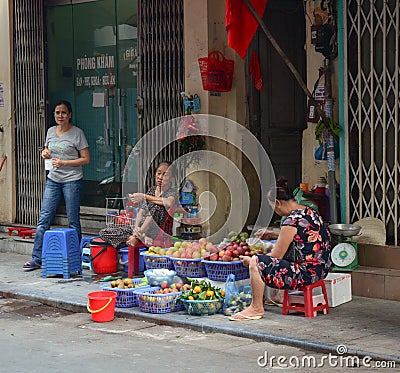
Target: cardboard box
point(338, 288)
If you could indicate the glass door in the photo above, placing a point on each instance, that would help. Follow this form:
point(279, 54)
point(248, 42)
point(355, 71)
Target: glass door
point(92, 52)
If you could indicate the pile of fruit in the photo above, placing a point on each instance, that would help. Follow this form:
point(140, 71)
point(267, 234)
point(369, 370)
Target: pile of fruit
point(156, 250)
point(234, 246)
point(192, 250)
point(203, 290)
point(174, 288)
point(127, 283)
point(236, 303)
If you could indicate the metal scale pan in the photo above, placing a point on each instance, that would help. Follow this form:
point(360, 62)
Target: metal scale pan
point(345, 254)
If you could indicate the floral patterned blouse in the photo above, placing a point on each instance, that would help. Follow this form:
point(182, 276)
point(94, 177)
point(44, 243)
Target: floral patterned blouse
point(313, 241)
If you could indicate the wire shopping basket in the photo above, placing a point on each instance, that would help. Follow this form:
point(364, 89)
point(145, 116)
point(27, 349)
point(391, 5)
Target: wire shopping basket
point(119, 212)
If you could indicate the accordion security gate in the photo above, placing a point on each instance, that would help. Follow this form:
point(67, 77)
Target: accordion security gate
point(372, 111)
point(29, 107)
point(161, 73)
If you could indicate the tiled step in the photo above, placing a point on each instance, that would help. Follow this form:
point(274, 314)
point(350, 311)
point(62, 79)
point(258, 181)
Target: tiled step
point(379, 256)
point(376, 282)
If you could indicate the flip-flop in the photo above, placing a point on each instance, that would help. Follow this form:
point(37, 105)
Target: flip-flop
point(32, 265)
point(240, 317)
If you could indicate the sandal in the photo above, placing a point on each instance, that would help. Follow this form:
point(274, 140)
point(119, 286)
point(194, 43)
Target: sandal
point(240, 317)
point(32, 265)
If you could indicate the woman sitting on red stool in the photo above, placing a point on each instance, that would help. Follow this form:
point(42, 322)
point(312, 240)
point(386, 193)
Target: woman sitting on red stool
point(303, 227)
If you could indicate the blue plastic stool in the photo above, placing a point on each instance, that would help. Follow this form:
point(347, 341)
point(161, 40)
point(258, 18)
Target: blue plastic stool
point(85, 241)
point(85, 252)
point(61, 254)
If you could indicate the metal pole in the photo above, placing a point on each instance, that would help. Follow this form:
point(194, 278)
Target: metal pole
point(330, 144)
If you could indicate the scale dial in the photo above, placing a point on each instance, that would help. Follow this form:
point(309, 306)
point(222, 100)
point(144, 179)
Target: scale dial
point(343, 254)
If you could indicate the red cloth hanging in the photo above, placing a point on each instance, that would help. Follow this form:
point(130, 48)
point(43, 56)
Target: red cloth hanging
point(255, 71)
point(241, 24)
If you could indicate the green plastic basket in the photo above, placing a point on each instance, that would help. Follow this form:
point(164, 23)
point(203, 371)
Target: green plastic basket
point(202, 307)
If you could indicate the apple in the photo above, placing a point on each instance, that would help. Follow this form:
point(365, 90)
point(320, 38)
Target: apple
point(164, 285)
point(221, 253)
point(227, 258)
point(213, 249)
point(228, 252)
point(243, 243)
point(235, 253)
point(214, 257)
point(247, 253)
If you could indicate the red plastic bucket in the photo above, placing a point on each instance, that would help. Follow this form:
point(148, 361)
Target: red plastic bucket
point(104, 257)
point(101, 304)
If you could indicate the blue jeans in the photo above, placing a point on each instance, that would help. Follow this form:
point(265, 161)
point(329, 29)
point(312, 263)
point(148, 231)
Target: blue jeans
point(71, 191)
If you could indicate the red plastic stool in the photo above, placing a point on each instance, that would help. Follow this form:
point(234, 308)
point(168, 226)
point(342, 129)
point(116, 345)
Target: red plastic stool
point(307, 306)
point(133, 258)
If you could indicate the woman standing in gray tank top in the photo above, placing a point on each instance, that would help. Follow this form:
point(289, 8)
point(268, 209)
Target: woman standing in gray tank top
point(65, 152)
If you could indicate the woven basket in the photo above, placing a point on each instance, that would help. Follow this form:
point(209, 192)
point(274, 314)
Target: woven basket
point(202, 307)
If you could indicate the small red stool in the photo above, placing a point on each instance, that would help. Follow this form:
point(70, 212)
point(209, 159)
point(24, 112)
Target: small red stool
point(16, 229)
point(133, 258)
point(27, 232)
point(308, 306)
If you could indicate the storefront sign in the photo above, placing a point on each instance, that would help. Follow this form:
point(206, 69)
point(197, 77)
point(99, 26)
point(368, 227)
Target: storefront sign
point(88, 71)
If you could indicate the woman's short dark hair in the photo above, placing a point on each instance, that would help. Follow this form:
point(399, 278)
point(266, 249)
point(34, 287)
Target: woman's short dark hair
point(170, 166)
point(280, 191)
point(65, 103)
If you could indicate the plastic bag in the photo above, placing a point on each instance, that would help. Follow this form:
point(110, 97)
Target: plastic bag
point(236, 298)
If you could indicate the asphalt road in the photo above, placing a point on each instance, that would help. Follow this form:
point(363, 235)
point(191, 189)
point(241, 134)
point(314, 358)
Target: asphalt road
point(38, 338)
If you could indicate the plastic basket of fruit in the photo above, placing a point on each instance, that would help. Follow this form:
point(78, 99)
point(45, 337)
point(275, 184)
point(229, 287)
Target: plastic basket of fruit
point(202, 298)
point(151, 301)
point(219, 271)
point(202, 307)
point(157, 261)
point(125, 294)
point(189, 267)
point(159, 276)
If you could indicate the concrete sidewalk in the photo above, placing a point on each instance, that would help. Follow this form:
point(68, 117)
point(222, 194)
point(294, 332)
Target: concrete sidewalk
point(365, 326)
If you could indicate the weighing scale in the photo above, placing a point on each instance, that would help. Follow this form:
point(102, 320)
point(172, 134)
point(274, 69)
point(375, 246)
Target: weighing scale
point(345, 254)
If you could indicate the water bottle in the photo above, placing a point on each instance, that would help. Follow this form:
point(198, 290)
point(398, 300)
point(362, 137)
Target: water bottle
point(130, 210)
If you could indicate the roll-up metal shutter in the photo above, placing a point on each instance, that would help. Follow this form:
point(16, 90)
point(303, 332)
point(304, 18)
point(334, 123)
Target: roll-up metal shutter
point(30, 106)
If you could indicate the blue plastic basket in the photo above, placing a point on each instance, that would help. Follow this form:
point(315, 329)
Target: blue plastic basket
point(158, 303)
point(124, 258)
point(126, 297)
point(157, 261)
point(219, 271)
point(189, 267)
point(202, 307)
